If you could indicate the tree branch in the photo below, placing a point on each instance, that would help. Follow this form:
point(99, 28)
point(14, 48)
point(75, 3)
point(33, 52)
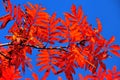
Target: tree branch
point(5, 56)
point(5, 44)
point(57, 48)
point(37, 47)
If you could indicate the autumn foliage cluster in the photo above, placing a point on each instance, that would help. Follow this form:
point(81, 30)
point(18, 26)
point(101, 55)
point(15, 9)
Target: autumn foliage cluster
point(80, 45)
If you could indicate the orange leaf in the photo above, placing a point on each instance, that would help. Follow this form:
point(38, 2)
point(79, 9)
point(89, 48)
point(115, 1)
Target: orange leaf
point(34, 75)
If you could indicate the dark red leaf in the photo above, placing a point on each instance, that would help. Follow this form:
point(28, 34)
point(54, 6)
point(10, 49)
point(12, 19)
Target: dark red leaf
point(103, 65)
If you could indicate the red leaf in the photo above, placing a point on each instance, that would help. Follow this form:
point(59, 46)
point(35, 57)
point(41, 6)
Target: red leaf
point(53, 70)
point(43, 62)
point(115, 47)
point(8, 6)
point(80, 77)
point(43, 68)
point(10, 74)
point(52, 18)
point(63, 41)
point(4, 23)
point(115, 53)
point(67, 23)
point(73, 9)
point(99, 25)
point(31, 5)
point(27, 78)
point(29, 50)
point(59, 78)
point(23, 67)
point(5, 19)
point(112, 39)
point(47, 72)
point(80, 13)
point(15, 12)
point(69, 15)
point(103, 65)
point(59, 71)
point(34, 75)
point(102, 56)
point(90, 77)
point(114, 68)
point(56, 22)
point(84, 20)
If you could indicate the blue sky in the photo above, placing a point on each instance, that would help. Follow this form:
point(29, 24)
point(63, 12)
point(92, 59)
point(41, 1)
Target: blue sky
point(108, 11)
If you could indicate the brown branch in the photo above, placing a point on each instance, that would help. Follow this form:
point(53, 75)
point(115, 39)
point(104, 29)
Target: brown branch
point(5, 56)
point(37, 47)
point(57, 48)
point(5, 44)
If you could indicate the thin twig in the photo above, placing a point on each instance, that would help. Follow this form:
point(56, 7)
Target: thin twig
point(5, 44)
point(37, 47)
point(57, 48)
point(5, 56)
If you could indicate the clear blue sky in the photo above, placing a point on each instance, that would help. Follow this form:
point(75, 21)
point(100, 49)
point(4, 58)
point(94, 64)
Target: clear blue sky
point(108, 11)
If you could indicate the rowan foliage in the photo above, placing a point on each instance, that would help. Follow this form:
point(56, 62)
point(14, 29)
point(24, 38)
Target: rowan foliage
point(33, 28)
